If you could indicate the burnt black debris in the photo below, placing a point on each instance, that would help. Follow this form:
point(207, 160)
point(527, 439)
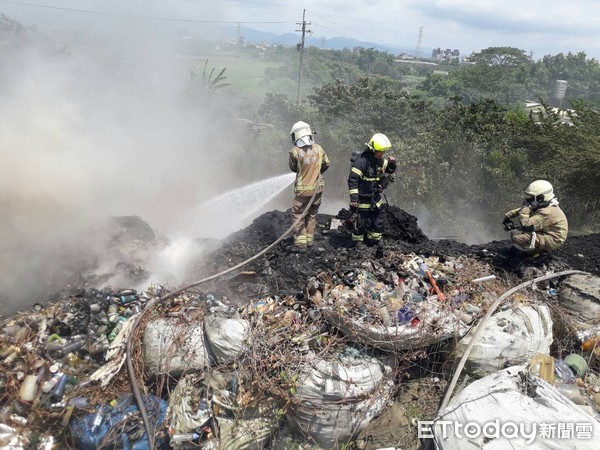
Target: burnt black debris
point(280, 272)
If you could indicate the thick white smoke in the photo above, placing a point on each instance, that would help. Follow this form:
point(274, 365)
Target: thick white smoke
point(92, 128)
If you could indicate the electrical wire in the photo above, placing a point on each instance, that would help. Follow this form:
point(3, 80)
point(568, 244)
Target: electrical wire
point(132, 16)
point(238, 5)
point(130, 370)
point(374, 45)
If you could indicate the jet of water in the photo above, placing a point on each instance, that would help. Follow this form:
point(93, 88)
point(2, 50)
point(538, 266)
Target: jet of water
point(226, 213)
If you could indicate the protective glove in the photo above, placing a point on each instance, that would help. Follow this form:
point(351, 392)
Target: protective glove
point(509, 226)
point(353, 206)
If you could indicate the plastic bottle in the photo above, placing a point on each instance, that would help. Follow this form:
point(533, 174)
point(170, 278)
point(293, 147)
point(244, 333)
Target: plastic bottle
point(184, 437)
point(49, 385)
point(100, 345)
point(59, 389)
point(563, 371)
point(591, 344)
point(204, 410)
point(385, 316)
point(28, 388)
point(7, 351)
point(125, 299)
point(572, 392)
point(97, 421)
point(542, 366)
point(12, 356)
point(67, 417)
point(117, 329)
point(73, 346)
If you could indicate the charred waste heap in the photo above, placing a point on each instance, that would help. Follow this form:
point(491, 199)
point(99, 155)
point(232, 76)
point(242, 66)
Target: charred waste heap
point(333, 348)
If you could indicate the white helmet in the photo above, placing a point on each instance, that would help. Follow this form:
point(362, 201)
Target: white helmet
point(540, 190)
point(300, 130)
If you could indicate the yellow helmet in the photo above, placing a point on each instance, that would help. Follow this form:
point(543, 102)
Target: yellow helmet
point(540, 190)
point(299, 130)
point(379, 143)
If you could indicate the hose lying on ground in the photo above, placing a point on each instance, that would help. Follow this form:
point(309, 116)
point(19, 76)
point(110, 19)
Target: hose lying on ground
point(134, 385)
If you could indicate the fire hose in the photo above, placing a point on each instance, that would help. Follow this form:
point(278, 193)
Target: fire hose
point(490, 311)
point(134, 385)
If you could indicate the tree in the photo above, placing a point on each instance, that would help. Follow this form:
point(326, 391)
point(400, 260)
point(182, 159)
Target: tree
point(501, 56)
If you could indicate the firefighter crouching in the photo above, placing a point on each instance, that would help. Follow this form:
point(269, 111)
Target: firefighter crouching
point(542, 226)
point(370, 174)
point(308, 160)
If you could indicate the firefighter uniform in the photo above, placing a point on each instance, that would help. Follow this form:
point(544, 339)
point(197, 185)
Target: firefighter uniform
point(308, 162)
point(544, 229)
point(368, 177)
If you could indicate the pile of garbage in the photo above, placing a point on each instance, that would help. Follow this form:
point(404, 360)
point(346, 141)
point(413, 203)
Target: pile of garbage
point(304, 351)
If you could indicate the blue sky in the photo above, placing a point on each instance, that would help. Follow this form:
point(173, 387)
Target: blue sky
point(538, 26)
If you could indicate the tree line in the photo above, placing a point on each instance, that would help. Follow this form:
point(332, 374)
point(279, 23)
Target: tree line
point(466, 146)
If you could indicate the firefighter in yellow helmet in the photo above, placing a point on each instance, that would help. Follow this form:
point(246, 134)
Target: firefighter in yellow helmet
point(370, 173)
point(308, 160)
point(542, 226)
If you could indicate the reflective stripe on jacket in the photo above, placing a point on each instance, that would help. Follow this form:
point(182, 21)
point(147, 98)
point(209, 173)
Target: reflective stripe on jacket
point(364, 181)
point(549, 223)
point(308, 162)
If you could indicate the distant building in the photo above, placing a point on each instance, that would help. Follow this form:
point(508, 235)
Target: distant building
point(440, 55)
point(536, 110)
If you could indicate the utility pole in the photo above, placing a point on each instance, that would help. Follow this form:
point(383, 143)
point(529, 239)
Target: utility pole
point(300, 48)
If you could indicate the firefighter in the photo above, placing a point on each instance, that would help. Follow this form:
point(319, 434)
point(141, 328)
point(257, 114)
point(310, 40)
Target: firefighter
point(542, 226)
point(370, 174)
point(308, 160)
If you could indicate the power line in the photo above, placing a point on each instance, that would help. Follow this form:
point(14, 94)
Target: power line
point(131, 16)
point(243, 6)
point(372, 44)
point(337, 25)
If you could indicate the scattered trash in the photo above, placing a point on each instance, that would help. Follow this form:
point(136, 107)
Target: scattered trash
point(510, 337)
point(580, 295)
point(338, 398)
point(174, 346)
point(577, 364)
point(484, 279)
point(504, 403)
point(256, 361)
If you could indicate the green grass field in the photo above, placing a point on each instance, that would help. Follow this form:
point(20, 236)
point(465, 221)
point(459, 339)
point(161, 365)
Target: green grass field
point(244, 72)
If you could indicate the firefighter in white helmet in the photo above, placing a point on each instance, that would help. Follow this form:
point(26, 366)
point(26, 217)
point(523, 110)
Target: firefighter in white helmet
point(308, 160)
point(370, 173)
point(542, 226)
